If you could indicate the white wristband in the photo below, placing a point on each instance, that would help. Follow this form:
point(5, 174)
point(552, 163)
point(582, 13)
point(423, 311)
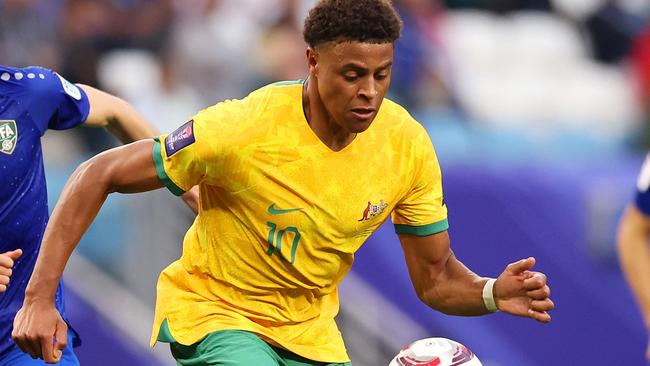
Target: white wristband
point(488, 296)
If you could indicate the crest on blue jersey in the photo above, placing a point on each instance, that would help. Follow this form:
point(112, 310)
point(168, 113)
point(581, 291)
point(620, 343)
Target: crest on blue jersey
point(8, 136)
point(182, 137)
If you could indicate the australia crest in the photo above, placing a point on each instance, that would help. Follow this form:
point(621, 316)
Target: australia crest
point(373, 210)
point(8, 136)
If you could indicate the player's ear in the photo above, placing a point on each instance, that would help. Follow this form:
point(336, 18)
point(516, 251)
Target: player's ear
point(312, 60)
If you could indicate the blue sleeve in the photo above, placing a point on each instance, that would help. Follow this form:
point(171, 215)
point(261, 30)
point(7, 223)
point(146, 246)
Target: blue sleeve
point(642, 198)
point(54, 102)
point(643, 202)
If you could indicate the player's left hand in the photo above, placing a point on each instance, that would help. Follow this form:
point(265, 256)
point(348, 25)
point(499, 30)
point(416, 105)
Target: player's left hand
point(522, 292)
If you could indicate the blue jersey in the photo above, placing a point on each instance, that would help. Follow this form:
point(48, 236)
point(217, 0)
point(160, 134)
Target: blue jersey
point(32, 100)
point(642, 198)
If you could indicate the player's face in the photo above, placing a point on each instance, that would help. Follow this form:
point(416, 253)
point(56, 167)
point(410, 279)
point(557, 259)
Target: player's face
point(352, 78)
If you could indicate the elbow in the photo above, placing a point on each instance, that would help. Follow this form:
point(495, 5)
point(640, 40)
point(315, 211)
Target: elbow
point(114, 116)
point(93, 172)
point(422, 294)
point(431, 297)
point(105, 107)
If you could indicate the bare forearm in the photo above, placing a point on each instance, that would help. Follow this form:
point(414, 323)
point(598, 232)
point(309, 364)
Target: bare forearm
point(127, 125)
point(117, 116)
point(634, 255)
point(453, 289)
point(445, 284)
point(126, 169)
point(80, 201)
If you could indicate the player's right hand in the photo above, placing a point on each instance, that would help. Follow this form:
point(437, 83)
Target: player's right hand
point(40, 331)
point(523, 292)
point(7, 260)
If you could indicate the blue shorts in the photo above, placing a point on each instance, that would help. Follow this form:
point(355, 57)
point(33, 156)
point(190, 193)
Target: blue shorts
point(16, 357)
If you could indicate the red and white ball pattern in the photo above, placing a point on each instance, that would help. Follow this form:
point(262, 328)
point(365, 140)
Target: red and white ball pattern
point(435, 352)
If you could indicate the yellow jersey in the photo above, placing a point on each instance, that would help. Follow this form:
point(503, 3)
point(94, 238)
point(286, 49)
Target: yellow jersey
point(281, 216)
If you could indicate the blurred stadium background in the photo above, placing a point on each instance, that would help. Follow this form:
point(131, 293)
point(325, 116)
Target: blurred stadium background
point(538, 109)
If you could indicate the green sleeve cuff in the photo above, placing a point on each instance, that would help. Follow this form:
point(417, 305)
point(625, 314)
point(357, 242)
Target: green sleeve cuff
point(160, 169)
point(423, 230)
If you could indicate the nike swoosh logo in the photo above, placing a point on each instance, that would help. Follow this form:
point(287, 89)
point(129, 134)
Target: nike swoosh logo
point(275, 211)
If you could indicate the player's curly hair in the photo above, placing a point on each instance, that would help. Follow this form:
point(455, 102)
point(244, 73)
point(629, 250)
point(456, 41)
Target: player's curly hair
point(372, 21)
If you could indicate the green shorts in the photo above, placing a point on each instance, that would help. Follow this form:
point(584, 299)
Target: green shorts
point(238, 348)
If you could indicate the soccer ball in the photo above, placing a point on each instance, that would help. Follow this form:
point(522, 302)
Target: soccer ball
point(435, 352)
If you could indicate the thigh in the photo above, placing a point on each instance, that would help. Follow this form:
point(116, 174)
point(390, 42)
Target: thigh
point(226, 348)
point(323, 364)
point(291, 359)
point(294, 362)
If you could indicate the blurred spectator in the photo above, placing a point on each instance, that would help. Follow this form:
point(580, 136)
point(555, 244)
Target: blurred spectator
point(152, 84)
point(212, 42)
point(145, 24)
point(28, 33)
point(421, 72)
point(610, 31)
point(90, 29)
point(83, 25)
point(500, 6)
point(640, 60)
point(281, 49)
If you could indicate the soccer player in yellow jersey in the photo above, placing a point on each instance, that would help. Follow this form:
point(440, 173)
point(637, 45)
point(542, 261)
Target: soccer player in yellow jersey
point(293, 179)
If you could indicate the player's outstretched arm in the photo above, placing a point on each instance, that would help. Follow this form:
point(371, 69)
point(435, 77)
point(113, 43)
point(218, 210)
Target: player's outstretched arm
point(634, 256)
point(445, 284)
point(117, 116)
point(7, 260)
point(440, 280)
point(126, 124)
point(125, 169)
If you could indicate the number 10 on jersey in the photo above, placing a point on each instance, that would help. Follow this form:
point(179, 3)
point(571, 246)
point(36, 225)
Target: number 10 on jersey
point(275, 240)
